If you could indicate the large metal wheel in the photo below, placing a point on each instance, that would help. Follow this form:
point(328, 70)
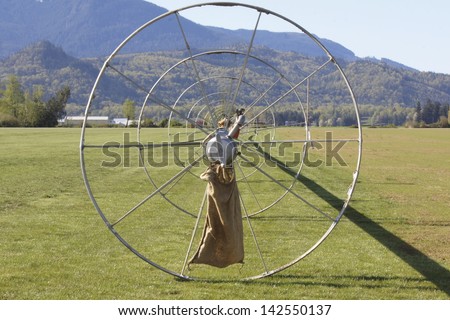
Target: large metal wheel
point(295, 182)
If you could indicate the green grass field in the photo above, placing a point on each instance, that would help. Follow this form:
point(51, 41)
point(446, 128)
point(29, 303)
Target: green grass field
point(392, 243)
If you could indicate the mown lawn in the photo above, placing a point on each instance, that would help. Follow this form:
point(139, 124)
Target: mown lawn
point(392, 243)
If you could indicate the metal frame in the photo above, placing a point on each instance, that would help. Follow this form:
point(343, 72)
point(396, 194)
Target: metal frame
point(150, 97)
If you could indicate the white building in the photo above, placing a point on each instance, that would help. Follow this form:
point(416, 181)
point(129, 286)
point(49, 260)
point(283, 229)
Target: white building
point(120, 121)
point(91, 120)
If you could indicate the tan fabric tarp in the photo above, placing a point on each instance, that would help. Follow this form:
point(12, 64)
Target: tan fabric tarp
point(222, 241)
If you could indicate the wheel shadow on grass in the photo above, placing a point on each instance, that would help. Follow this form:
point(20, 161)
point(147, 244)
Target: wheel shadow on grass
point(427, 267)
point(416, 259)
point(349, 281)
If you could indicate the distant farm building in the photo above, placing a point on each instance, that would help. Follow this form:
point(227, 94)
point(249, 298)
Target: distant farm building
point(77, 121)
point(120, 121)
point(293, 123)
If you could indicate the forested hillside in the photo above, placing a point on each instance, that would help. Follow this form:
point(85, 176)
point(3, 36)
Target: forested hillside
point(374, 82)
point(382, 91)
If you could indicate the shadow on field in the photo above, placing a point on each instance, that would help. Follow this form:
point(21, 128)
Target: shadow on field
point(368, 282)
point(426, 266)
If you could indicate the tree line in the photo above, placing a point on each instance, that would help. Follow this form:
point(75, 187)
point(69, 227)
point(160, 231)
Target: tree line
point(22, 108)
point(29, 108)
point(432, 113)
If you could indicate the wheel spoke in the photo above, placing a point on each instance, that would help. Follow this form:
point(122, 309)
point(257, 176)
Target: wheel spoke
point(134, 83)
point(197, 74)
point(252, 231)
point(296, 141)
point(180, 178)
point(158, 190)
point(288, 189)
point(154, 99)
point(244, 67)
point(290, 91)
point(142, 146)
point(194, 232)
point(248, 185)
point(258, 99)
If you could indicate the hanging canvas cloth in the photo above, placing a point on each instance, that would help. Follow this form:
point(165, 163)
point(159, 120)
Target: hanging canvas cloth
point(222, 242)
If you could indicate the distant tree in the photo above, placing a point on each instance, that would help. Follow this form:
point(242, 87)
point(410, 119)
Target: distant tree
point(443, 122)
point(430, 112)
point(175, 123)
point(148, 123)
point(33, 111)
point(129, 109)
point(443, 110)
point(28, 109)
point(55, 108)
point(418, 114)
point(163, 123)
point(13, 96)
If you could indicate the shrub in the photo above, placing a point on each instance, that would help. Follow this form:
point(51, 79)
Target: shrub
point(7, 120)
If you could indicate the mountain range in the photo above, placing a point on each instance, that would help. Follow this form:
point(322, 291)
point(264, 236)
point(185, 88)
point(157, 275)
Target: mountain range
point(56, 42)
point(93, 28)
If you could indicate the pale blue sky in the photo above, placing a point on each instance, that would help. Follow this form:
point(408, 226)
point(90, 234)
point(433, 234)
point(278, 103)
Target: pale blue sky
point(415, 33)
